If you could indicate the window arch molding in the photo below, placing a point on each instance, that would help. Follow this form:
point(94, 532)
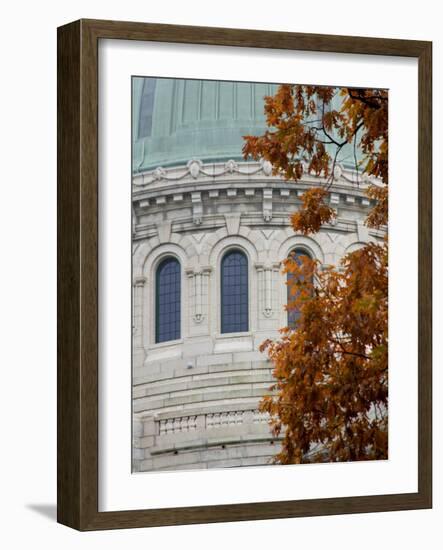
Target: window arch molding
point(300, 250)
point(150, 265)
point(354, 241)
point(234, 294)
point(220, 249)
point(302, 244)
point(357, 245)
point(168, 300)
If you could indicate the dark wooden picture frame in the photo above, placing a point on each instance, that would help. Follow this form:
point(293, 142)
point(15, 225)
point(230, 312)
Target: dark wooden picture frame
point(77, 457)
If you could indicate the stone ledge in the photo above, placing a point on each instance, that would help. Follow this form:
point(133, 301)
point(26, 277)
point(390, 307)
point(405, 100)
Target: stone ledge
point(202, 444)
point(192, 396)
point(177, 387)
point(255, 455)
point(147, 374)
point(232, 403)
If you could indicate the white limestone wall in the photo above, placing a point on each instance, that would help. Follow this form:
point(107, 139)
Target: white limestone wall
point(195, 399)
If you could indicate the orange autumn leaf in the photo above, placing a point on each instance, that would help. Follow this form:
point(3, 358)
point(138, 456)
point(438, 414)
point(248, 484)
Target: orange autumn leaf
point(330, 396)
point(314, 212)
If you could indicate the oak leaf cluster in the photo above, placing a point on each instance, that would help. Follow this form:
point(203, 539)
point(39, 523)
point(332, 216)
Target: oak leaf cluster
point(329, 401)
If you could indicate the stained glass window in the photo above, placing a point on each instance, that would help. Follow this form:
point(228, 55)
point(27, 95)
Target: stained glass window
point(234, 292)
point(168, 301)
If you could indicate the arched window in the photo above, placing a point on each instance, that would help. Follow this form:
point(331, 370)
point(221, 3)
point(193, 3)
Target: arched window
point(294, 314)
point(234, 292)
point(167, 301)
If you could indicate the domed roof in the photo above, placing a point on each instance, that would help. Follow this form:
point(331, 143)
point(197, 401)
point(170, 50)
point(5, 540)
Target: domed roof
point(175, 120)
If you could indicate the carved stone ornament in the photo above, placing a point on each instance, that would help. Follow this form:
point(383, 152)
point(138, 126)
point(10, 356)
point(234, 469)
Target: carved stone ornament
point(338, 171)
point(159, 173)
point(231, 166)
point(266, 167)
point(267, 215)
point(194, 167)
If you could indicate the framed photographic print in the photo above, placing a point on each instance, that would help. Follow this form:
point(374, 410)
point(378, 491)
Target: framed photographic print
point(244, 275)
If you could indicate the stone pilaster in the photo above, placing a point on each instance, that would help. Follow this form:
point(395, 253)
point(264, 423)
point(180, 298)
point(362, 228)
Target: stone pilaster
point(137, 328)
point(267, 205)
point(198, 280)
point(266, 275)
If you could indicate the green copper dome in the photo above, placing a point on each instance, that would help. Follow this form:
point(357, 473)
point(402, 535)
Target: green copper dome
point(175, 120)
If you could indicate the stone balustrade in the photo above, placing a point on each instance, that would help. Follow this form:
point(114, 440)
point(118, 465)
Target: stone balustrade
point(208, 421)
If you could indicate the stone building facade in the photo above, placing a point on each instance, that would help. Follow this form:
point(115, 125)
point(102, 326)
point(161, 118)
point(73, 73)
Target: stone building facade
point(198, 374)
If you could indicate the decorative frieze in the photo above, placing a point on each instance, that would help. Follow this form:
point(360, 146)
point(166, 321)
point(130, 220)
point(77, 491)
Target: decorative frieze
point(172, 196)
point(196, 169)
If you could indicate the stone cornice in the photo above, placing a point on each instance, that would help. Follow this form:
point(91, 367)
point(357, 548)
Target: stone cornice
point(268, 192)
point(237, 181)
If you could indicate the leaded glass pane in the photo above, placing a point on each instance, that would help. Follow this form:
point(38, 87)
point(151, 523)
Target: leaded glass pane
point(294, 314)
point(234, 292)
